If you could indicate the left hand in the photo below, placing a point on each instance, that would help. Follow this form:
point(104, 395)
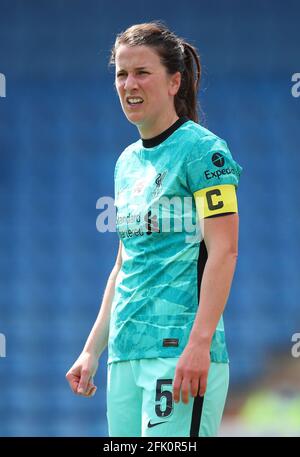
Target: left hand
point(191, 372)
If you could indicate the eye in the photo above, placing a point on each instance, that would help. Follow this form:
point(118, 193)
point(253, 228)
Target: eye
point(121, 74)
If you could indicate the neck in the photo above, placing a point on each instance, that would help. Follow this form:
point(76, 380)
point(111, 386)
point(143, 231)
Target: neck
point(158, 126)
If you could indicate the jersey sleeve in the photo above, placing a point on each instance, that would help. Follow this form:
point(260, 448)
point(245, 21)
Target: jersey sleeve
point(212, 177)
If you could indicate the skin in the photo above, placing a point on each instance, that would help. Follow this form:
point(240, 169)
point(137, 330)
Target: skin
point(81, 375)
point(139, 72)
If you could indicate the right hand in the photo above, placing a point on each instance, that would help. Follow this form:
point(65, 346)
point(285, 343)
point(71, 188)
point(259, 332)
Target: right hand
point(81, 375)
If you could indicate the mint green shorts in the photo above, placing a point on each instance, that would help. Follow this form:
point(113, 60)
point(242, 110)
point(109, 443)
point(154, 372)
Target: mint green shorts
point(140, 400)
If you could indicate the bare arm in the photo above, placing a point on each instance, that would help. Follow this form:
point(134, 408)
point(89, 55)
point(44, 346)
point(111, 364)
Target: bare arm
point(81, 374)
point(98, 337)
point(221, 239)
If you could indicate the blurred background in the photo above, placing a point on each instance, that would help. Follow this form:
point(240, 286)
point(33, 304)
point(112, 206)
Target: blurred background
point(61, 131)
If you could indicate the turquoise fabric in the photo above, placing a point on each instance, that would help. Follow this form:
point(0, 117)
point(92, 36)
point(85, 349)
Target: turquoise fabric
point(156, 293)
point(140, 401)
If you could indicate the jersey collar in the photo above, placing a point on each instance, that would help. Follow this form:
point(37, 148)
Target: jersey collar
point(155, 141)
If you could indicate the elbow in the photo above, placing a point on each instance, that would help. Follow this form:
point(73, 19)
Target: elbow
point(115, 271)
point(234, 256)
point(231, 253)
point(224, 254)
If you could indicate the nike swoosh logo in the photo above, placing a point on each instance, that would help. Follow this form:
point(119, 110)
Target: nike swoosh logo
point(153, 425)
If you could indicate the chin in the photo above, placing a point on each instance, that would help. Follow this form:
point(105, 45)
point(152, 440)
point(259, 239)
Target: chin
point(135, 118)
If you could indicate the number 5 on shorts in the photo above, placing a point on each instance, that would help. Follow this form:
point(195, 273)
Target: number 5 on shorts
point(163, 396)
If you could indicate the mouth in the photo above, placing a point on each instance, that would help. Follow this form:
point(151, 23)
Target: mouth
point(134, 101)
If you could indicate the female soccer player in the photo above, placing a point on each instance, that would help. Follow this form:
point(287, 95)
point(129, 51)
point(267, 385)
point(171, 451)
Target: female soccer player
point(161, 314)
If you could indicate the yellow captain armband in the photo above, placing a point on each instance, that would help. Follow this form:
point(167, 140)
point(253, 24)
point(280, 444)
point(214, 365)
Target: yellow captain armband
point(216, 200)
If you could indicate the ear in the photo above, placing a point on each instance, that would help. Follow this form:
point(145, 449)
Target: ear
point(175, 81)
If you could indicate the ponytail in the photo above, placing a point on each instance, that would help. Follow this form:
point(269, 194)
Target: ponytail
point(186, 97)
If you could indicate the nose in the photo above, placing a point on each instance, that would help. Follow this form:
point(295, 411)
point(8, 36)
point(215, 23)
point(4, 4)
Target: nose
point(130, 83)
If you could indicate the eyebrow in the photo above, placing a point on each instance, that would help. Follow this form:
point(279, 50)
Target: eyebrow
point(137, 68)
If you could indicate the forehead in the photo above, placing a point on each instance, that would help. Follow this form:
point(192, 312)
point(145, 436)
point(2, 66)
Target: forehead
point(128, 57)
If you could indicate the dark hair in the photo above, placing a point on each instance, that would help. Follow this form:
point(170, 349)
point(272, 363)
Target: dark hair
point(175, 54)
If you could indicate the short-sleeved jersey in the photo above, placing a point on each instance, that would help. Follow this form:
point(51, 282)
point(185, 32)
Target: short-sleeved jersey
point(158, 187)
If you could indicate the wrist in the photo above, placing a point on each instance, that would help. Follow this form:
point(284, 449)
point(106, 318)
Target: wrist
point(202, 340)
point(90, 352)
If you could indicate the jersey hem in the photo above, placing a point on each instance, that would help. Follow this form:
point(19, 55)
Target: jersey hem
point(216, 358)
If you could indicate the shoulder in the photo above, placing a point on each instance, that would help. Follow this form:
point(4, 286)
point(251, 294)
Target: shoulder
point(127, 153)
point(197, 131)
point(209, 161)
point(201, 141)
point(129, 150)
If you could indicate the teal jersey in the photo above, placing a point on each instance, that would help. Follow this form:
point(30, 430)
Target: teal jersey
point(158, 286)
